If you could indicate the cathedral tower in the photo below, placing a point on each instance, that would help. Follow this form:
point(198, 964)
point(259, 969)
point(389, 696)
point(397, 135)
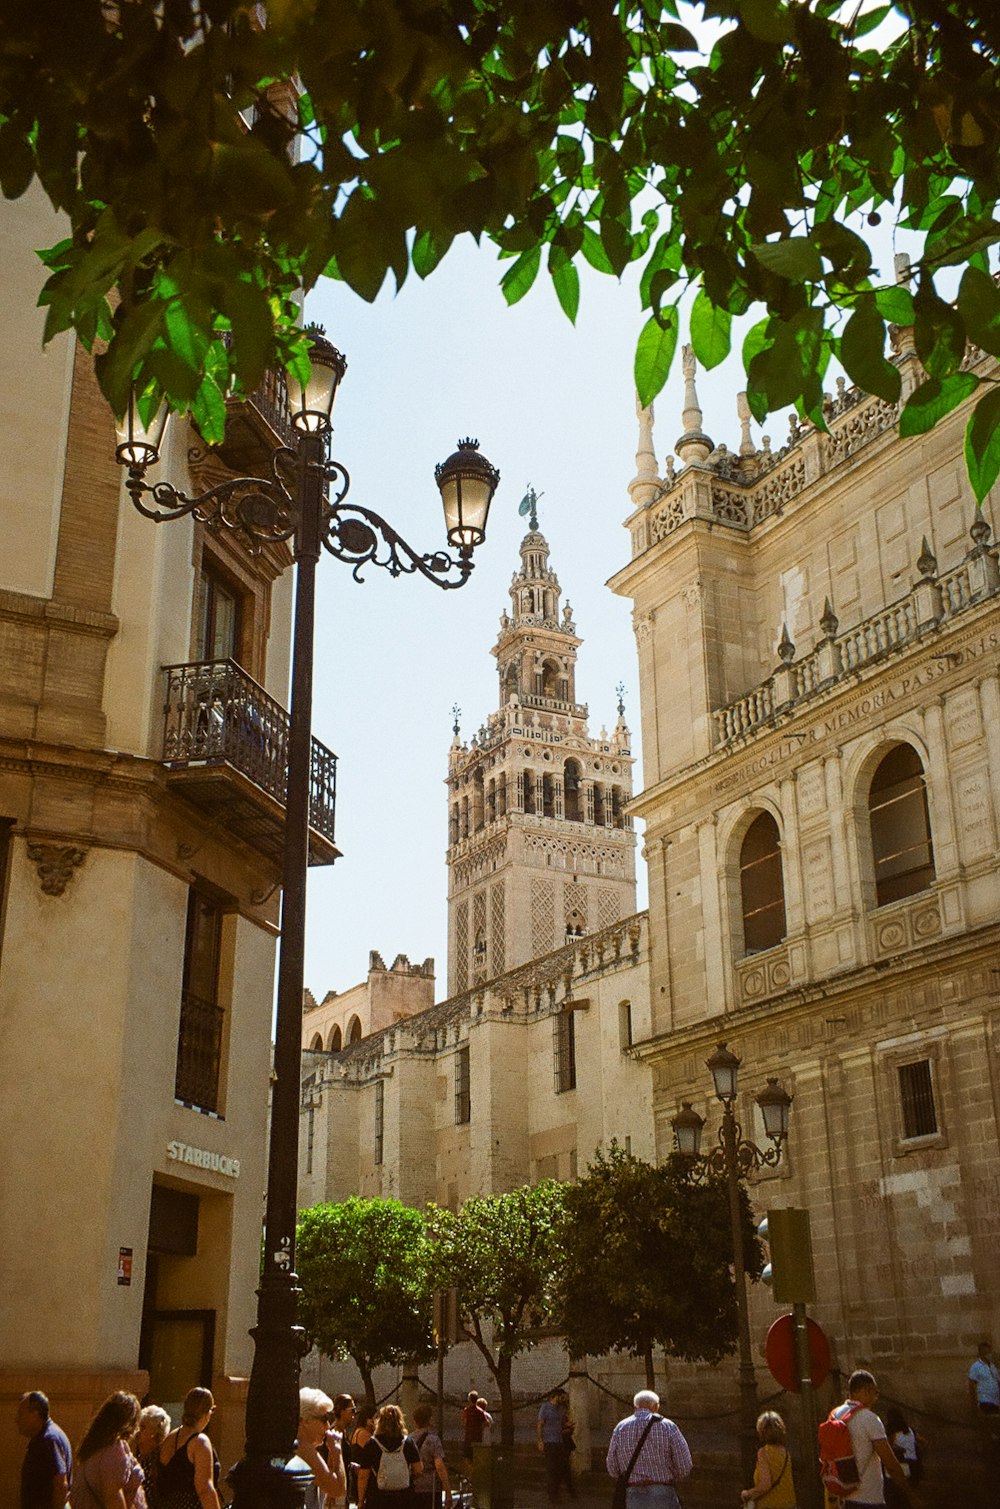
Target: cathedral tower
point(539, 847)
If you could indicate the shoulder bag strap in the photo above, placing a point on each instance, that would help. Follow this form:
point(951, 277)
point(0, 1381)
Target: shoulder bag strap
point(641, 1443)
point(781, 1474)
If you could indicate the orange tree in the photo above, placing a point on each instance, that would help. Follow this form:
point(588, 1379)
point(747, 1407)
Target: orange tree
point(202, 191)
point(647, 1262)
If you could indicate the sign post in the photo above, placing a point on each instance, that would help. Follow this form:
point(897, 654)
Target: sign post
point(801, 1350)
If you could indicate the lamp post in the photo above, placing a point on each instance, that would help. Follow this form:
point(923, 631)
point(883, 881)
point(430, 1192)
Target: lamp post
point(302, 501)
point(735, 1157)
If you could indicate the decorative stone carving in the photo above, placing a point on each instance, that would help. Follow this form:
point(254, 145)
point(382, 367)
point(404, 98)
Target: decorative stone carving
point(642, 625)
point(55, 864)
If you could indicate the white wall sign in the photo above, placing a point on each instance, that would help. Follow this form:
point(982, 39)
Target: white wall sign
point(199, 1157)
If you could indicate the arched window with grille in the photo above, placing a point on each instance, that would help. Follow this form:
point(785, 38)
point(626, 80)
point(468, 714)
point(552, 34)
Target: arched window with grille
point(762, 886)
point(902, 851)
point(336, 1040)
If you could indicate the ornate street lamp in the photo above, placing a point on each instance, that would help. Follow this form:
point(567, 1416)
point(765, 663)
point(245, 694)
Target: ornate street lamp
point(302, 501)
point(734, 1157)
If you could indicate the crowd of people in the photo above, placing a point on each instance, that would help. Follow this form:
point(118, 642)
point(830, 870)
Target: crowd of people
point(132, 1457)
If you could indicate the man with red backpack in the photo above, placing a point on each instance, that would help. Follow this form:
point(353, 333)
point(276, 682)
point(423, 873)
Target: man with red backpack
point(854, 1449)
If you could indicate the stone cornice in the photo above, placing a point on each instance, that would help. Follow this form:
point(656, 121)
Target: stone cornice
point(868, 980)
point(20, 607)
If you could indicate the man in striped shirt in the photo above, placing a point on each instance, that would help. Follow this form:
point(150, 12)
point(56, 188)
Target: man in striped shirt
point(663, 1461)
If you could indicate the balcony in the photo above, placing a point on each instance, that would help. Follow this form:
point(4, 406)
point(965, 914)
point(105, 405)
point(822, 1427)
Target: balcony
point(256, 427)
point(225, 746)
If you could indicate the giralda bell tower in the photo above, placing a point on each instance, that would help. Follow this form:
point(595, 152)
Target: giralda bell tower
point(539, 847)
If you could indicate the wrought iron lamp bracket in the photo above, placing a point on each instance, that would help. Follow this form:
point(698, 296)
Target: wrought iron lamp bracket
point(360, 537)
point(749, 1157)
point(261, 510)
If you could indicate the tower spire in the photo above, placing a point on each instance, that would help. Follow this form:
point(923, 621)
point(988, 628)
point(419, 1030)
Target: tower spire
point(694, 444)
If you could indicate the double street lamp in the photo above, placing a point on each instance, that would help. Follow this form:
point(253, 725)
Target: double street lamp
point(734, 1157)
point(300, 501)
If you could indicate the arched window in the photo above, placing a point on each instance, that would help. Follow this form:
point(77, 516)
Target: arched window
point(453, 824)
point(336, 1040)
point(354, 1030)
point(316, 1046)
point(762, 887)
point(571, 791)
point(491, 801)
point(599, 816)
point(901, 829)
point(529, 791)
point(617, 808)
point(478, 804)
point(548, 796)
point(550, 678)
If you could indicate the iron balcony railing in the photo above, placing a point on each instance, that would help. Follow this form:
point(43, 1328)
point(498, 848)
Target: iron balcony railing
point(199, 1052)
point(215, 714)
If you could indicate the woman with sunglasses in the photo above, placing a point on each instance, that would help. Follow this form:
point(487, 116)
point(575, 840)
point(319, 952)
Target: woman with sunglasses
point(329, 1481)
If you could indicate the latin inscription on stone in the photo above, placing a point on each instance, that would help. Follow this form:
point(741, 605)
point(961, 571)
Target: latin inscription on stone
point(818, 879)
point(975, 813)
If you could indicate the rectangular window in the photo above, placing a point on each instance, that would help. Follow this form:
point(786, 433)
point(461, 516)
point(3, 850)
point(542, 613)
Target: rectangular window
point(564, 1044)
point(463, 1088)
point(217, 625)
point(379, 1119)
point(916, 1093)
point(199, 1041)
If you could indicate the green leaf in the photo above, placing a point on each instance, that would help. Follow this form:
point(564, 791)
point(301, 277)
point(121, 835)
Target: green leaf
point(565, 281)
point(895, 304)
point(518, 279)
point(767, 20)
point(982, 444)
point(428, 250)
point(863, 24)
point(979, 306)
point(862, 351)
point(17, 161)
point(795, 258)
point(938, 332)
point(593, 249)
point(933, 399)
point(711, 330)
point(617, 242)
point(654, 354)
point(209, 410)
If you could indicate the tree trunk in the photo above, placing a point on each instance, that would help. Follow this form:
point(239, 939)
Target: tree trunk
point(503, 1377)
point(366, 1379)
point(648, 1359)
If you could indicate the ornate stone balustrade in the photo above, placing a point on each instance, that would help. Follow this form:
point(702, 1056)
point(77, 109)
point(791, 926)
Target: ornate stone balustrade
point(933, 601)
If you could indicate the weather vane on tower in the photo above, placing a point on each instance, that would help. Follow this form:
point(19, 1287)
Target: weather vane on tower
point(529, 505)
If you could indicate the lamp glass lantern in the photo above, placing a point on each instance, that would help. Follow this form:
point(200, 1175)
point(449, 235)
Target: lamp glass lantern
point(139, 443)
point(312, 401)
point(775, 1104)
point(724, 1066)
point(467, 482)
point(687, 1126)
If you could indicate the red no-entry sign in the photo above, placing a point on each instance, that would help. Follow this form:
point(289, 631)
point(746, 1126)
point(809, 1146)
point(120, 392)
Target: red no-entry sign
point(779, 1350)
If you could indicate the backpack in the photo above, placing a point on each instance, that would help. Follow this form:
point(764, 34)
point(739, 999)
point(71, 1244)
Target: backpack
point(838, 1467)
point(393, 1470)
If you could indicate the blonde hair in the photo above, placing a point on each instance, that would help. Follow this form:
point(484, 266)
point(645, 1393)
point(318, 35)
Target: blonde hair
point(771, 1428)
point(154, 1414)
point(313, 1403)
point(390, 1423)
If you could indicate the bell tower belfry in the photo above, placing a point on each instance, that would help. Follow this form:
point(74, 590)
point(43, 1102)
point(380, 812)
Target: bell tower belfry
point(539, 847)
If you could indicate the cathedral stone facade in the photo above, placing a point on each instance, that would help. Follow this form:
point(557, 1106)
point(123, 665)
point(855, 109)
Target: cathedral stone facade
point(547, 959)
point(818, 633)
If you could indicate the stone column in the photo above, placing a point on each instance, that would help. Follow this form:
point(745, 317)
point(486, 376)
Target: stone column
point(939, 791)
point(716, 976)
point(843, 896)
point(791, 856)
point(409, 1389)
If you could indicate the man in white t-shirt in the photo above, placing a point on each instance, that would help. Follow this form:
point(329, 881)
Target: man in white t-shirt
point(872, 1451)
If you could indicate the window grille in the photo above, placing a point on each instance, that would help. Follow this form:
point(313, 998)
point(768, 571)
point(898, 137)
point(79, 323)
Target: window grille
point(199, 1039)
point(564, 1045)
point(379, 1119)
point(463, 1088)
point(916, 1093)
